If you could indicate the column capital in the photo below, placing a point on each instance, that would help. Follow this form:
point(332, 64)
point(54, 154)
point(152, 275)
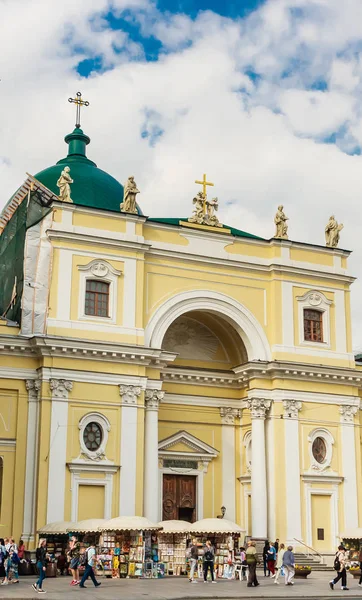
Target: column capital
point(291, 408)
point(129, 393)
point(258, 407)
point(347, 412)
point(228, 415)
point(153, 399)
point(60, 387)
point(33, 386)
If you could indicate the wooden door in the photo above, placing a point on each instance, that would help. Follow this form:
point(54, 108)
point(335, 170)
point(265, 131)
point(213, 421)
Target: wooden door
point(179, 497)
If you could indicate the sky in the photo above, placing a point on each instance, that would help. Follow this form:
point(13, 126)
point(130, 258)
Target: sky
point(264, 97)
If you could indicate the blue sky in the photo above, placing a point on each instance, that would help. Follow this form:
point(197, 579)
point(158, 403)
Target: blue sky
point(263, 97)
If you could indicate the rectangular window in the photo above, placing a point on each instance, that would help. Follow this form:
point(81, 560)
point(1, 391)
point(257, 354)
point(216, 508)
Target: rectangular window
point(320, 534)
point(313, 325)
point(96, 298)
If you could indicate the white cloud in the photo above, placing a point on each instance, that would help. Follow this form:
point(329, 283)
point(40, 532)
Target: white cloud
point(257, 137)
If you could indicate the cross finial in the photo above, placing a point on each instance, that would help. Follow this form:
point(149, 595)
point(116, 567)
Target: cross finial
point(204, 183)
point(79, 102)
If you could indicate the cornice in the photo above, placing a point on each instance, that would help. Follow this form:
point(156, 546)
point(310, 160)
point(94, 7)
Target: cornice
point(54, 346)
point(266, 267)
point(98, 212)
point(56, 234)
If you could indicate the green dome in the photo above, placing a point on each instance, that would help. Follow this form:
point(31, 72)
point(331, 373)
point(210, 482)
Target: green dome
point(92, 187)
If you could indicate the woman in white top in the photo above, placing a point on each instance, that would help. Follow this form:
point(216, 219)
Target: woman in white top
point(279, 564)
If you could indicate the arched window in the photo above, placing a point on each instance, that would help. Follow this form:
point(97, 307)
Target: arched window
point(313, 325)
point(96, 298)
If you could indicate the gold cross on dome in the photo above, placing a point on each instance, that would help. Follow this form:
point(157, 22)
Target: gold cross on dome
point(79, 102)
point(204, 183)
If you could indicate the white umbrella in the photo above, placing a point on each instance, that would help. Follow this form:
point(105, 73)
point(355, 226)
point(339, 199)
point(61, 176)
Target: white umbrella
point(57, 527)
point(87, 525)
point(129, 524)
point(174, 526)
point(215, 526)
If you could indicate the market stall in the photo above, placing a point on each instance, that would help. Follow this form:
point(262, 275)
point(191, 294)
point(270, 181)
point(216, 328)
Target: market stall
point(126, 547)
point(56, 535)
point(172, 543)
point(224, 536)
point(352, 541)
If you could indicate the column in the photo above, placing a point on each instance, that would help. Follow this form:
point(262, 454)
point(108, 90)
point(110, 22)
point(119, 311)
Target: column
point(33, 387)
point(60, 389)
point(347, 413)
point(292, 470)
point(127, 492)
point(228, 416)
point(258, 408)
point(151, 501)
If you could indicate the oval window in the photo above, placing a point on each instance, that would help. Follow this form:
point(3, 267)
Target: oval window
point(92, 436)
point(319, 450)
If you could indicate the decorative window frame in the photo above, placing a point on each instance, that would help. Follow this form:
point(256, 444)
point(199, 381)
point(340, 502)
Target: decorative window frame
point(315, 300)
point(247, 446)
point(329, 441)
point(102, 421)
point(99, 270)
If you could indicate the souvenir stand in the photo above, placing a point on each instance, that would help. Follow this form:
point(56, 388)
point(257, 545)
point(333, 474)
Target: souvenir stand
point(125, 547)
point(224, 536)
point(172, 543)
point(352, 541)
point(56, 535)
point(87, 532)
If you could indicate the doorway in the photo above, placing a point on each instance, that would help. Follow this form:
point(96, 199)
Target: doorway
point(179, 498)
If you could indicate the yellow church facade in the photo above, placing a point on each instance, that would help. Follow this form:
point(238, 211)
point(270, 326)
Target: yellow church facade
point(163, 368)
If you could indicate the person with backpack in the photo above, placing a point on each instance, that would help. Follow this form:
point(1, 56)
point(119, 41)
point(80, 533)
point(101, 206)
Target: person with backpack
point(266, 558)
point(11, 562)
point(41, 563)
point(251, 560)
point(194, 555)
point(340, 563)
point(209, 554)
point(73, 554)
point(89, 563)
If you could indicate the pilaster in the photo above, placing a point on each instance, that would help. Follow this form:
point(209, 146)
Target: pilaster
point(258, 408)
point(151, 500)
point(128, 452)
point(292, 469)
point(228, 416)
point(33, 387)
point(348, 412)
point(59, 389)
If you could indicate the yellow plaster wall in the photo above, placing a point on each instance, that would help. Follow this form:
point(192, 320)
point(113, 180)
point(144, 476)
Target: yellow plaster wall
point(91, 502)
point(165, 236)
point(312, 256)
point(257, 249)
point(106, 223)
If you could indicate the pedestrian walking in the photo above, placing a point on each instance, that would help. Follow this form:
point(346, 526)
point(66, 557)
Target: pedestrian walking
point(276, 545)
point(265, 558)
point(279, 564)
point(90, 563)
point(272, 555)
point(360, 566)
point(3, 554)
point(251, 560)
point(209, 555)
point(41, 563)
point(74, 554)
point(194, 556)
point(289, 566)
point(340, 563)
point(243, 562)
point(11, 562)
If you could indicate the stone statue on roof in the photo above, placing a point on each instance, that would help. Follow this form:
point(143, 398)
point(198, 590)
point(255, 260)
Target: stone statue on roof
point(198, 212)
point(63, 184)
point(129, 196)
point(332, 231)
point(280, 220)
point(211, 218)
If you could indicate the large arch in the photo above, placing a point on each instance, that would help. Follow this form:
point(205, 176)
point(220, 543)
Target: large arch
point(243, 321)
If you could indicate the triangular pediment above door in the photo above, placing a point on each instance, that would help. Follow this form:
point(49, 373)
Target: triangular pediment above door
point(184, 443)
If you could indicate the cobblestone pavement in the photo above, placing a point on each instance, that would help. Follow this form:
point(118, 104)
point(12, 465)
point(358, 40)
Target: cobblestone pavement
point(176, 588)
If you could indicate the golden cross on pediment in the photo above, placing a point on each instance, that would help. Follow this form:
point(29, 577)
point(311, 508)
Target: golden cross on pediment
point(204, 183)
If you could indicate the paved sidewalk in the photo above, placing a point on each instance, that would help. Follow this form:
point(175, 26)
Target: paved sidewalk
point(176, 588)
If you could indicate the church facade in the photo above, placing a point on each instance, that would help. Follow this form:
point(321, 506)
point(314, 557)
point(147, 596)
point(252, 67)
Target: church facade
point(171, 368)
